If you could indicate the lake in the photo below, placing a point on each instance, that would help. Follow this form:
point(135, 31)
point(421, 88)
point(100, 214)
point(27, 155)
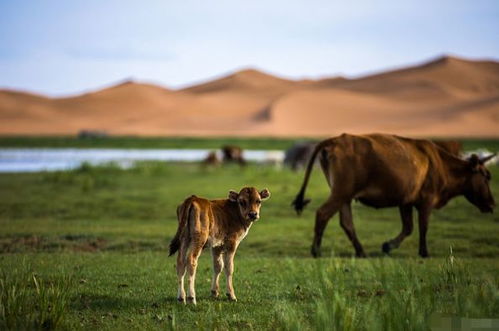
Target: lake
point(53, 159)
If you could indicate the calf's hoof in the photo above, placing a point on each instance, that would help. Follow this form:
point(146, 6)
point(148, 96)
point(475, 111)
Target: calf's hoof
point(231, 297)
point(386, 248)
point(191, 300)
point(214, 294)
point(181, 300)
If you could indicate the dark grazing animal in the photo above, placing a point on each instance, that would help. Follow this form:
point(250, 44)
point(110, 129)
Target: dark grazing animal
point(297, 156)
point(221, 224)
point(232, 153)
point(381, 171)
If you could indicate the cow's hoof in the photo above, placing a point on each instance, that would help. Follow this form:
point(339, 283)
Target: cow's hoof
point(424, 254)
point(181, 300)
point(316, 252)
point(191, 300)
point(214, 294)
point(231, 297)
point(386, 248)
point(361, 255)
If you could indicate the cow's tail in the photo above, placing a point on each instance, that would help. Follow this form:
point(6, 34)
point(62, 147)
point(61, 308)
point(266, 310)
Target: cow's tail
point(300, 202)
point(183, 212)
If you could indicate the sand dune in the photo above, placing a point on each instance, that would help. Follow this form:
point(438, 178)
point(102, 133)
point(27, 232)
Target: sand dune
point(447, 96)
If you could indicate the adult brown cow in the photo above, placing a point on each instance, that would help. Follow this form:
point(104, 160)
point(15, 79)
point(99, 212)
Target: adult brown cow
point(454, 147)
point(382, 170)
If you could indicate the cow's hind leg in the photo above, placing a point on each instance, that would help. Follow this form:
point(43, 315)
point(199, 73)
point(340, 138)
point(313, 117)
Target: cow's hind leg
point(406, 217)
point(322, 216)
point(218, 265)
point(346, 222)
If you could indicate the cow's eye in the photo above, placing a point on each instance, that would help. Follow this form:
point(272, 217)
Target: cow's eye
point(242, 203)
point(258, 202)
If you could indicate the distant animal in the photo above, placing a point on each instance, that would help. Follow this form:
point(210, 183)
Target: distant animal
point(221, 224)
point(296, 157)
point(454, 147)
point(381, 170)
point(212, 159)
point(92, 134)
point(232, 153)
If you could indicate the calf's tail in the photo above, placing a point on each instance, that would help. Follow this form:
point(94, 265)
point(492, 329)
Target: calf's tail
point(300, 202)
point(183, 212)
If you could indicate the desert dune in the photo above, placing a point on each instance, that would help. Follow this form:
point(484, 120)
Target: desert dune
point(444, 97)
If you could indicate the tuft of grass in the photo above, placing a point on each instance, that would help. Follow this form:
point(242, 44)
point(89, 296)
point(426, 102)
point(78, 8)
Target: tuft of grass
point(384, 294)
point(28, 301)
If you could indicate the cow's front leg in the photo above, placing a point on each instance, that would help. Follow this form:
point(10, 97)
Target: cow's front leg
point(218, 265)
point(229, 270)
point(423, 218)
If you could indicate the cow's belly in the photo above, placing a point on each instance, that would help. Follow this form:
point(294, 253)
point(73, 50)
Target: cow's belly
point(379, 198)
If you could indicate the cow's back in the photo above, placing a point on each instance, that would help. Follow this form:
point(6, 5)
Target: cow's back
point(378, 170)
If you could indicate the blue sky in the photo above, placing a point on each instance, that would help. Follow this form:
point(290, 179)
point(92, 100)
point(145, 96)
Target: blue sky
point(66, 47)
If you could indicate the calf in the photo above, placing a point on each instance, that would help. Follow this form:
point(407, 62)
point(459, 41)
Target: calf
point(221, 224)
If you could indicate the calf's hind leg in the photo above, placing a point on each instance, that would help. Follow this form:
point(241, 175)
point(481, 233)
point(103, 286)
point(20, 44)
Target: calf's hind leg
point(406, 217)
point(192, 263)
point(181, 266)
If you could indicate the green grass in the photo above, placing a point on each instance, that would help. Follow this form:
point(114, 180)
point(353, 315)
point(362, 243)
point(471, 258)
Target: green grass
point(95, 240)
point(145, 142)
point(181, 142)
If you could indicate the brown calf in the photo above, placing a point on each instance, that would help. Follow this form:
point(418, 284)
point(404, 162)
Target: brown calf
point(221, 224)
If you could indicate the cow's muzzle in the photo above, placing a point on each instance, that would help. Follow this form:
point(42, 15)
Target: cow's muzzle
point(487, 209)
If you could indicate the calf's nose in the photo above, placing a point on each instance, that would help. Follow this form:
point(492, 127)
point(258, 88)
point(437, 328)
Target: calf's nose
point(253, 215)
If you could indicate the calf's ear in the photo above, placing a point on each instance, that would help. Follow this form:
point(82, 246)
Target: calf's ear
point(264, 194)
point(233, 195)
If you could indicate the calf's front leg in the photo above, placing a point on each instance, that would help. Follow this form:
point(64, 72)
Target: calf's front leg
point(229, 270)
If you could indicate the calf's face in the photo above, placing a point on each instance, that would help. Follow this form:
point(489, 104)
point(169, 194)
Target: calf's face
point(249, 201)
point(478, 189)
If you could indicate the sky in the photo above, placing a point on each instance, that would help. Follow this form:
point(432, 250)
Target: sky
point(67, 47)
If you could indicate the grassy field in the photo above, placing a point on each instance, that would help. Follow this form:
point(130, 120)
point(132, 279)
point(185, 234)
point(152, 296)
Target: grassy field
point(181, 142)
point(87, 249)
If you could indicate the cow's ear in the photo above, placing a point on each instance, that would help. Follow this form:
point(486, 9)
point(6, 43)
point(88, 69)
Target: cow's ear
point(264, 194)
point(474, 162)
point(233, 195)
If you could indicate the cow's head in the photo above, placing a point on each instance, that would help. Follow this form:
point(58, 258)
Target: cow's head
point(249, 200)
point(477, 189)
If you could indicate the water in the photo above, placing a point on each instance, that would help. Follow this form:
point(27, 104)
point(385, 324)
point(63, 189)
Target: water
point(52, 159)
